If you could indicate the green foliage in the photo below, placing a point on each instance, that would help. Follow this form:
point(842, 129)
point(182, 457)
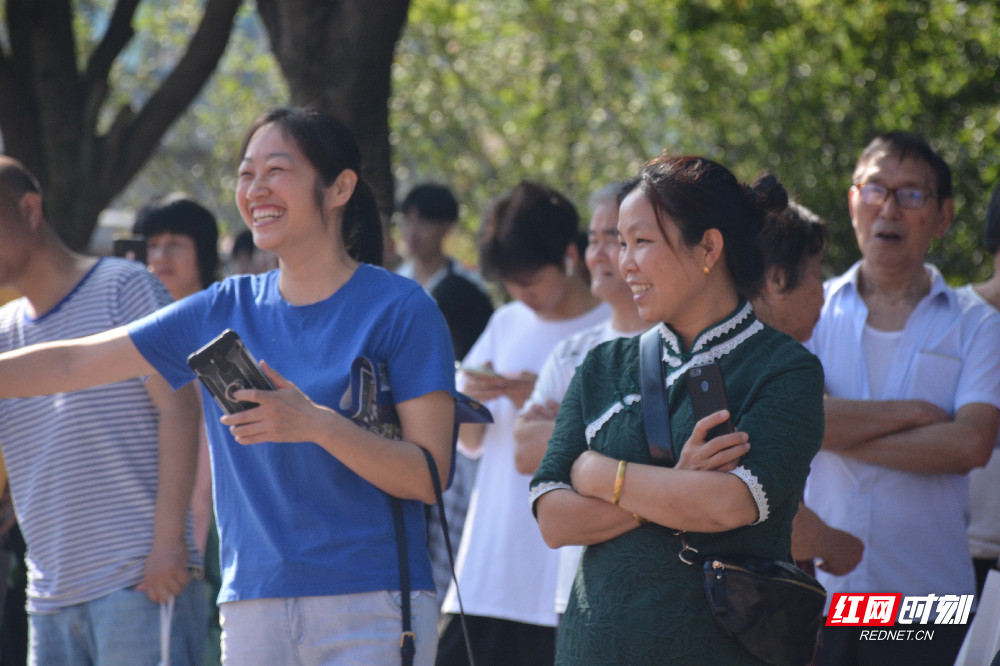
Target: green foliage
point(198, 154)
point(579, 93)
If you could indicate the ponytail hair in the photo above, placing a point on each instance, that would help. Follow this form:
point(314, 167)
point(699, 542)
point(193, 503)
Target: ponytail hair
point(362, 225)
point(331, 148)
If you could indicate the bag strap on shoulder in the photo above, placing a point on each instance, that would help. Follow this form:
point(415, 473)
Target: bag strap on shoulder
point(655, 416)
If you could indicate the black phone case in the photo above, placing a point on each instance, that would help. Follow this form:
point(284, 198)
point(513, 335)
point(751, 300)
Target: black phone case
point(225, 365)
point(708, 395)
point(133, 248)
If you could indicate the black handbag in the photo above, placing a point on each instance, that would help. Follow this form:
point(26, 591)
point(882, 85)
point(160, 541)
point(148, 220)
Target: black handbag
point(773, 609)
point(770, 607)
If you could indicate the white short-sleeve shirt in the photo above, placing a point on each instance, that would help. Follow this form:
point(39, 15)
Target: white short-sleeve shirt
point(913, 525)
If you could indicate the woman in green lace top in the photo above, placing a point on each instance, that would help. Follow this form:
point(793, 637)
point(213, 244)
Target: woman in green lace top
point(689, 252)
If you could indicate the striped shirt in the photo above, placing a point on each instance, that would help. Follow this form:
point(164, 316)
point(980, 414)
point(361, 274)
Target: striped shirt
point(83, 465)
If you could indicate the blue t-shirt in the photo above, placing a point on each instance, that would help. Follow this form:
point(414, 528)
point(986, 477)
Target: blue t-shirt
point(293, 520)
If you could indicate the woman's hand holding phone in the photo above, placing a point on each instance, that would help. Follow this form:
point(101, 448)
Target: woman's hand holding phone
point(285, 414)
point(719, 454)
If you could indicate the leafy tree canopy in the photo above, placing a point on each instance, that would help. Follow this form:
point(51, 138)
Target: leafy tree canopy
point(577, 94)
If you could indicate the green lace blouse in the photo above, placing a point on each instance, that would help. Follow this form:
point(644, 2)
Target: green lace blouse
point(633, 600)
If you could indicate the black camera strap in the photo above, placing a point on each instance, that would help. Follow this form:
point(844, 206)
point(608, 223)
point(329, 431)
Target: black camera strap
point(652, 383)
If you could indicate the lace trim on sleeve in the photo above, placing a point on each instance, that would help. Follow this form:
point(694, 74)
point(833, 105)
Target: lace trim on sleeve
point(594, 426)
point(757, 490)
point(542, 488)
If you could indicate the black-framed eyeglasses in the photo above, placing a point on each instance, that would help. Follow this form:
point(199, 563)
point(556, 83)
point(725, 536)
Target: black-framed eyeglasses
point(910, 198)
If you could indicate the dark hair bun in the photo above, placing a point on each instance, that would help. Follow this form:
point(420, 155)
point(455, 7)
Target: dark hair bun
point(768, 195)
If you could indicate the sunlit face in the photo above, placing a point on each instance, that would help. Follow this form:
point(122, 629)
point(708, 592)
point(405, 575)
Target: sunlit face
point(666, 279)
point(794, 312)
point(174, 259)
point(601, 257)
point(276, 191)
point(542, 289)
point(893, 237)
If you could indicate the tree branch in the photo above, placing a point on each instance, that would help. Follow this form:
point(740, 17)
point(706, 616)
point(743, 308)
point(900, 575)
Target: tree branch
point(95, 78)
point(129, 144)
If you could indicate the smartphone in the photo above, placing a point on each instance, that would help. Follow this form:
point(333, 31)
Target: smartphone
point(129, 247)
point(708, 395)
point(480, 372)
point(225, 365)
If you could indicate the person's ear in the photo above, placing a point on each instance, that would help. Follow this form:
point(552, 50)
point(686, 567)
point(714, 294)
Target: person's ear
point(776, 279)
point(572, 257)
point(712, 245)
point(339, 192)
point(947, 214)
point(31, 209)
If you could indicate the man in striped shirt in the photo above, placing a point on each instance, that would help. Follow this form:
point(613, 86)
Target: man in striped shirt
point(101, 478)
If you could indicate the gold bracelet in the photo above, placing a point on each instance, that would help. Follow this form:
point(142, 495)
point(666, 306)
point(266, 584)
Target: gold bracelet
point(639, 519)
point(616, 494)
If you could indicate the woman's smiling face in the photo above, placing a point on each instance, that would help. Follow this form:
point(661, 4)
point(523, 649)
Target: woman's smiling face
point(664, 274)
point(276, 191)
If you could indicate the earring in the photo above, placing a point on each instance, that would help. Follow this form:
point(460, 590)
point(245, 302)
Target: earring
point(706, 270)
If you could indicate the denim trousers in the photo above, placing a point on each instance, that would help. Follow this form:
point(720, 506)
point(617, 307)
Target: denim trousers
point(343, 629)
point(119, 629)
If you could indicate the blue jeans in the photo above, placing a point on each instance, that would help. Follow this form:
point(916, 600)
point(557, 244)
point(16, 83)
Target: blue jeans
point(120, 629)
point(343, 629)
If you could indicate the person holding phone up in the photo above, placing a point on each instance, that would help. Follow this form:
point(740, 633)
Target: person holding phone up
point(310, 568)
point(689, 252)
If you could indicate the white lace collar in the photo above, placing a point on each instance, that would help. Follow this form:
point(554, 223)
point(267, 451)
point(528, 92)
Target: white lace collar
point(711, 344)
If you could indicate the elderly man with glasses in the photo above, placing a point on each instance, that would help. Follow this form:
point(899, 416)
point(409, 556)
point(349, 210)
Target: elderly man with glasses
point(913, 382)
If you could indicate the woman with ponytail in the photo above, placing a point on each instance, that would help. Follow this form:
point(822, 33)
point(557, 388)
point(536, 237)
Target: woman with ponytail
point(689, 251)
point(310, 566)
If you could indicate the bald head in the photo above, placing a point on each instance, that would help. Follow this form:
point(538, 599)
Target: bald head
point(16, 180)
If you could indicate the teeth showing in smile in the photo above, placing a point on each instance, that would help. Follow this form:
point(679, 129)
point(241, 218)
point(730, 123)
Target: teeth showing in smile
point(266, 214)
point(639, 288)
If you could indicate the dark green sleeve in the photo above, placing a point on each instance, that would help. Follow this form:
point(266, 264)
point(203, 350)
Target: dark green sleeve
point(784, 421)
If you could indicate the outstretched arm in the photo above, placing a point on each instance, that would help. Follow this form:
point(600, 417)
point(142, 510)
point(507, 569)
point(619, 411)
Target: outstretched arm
point(71, 365)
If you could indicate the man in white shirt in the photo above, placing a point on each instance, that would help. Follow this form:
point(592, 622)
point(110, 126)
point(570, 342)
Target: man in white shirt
point(913, 383)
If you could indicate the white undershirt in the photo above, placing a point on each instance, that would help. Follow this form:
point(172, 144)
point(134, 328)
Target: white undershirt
point(879, 348)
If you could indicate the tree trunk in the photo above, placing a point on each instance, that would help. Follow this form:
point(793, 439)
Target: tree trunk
point(337, 56)
point(49, 110)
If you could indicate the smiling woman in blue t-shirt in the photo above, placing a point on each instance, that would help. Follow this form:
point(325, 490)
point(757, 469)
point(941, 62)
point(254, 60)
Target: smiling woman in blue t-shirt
point(308, 546)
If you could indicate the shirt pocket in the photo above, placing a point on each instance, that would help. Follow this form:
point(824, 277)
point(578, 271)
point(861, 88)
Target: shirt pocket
point(935, 378)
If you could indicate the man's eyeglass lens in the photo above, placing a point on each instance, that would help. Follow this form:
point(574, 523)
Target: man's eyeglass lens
point(906, 197)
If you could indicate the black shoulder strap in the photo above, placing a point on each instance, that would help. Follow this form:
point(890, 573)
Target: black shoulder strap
point(655, 417)
point(447, 542)
point(407, 639)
